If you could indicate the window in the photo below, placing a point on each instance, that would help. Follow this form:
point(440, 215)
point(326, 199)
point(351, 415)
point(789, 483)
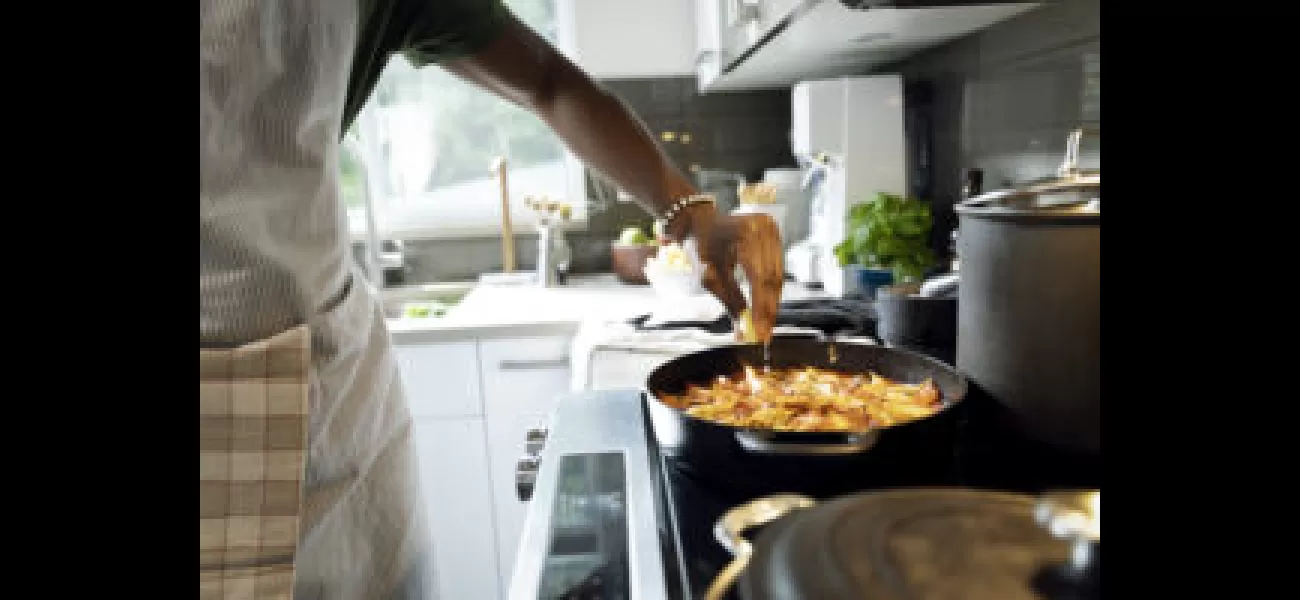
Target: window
point(424, 143)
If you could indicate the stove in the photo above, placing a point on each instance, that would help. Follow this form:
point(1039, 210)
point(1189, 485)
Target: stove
point(612, 518)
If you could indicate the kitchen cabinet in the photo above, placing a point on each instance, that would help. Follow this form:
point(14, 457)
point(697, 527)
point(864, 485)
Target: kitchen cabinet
point(522, 380)
point(443, 391)
point(472, 401)
point(442, 380)
point(627, 39)
point(458, 499)
point(760, 44)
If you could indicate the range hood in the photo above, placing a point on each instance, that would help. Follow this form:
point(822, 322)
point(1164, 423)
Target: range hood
point(817, 39)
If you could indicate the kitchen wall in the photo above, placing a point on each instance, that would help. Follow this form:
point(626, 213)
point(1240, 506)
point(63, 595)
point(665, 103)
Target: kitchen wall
point(1003, 100)
point(743, 132)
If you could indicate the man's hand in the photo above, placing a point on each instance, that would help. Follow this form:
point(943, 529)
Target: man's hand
point(753, 242)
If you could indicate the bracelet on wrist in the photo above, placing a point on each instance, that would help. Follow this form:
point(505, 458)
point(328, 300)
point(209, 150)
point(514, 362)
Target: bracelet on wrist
point(666, 220)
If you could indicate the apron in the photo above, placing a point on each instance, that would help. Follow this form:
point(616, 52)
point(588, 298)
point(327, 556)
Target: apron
point(275, 277)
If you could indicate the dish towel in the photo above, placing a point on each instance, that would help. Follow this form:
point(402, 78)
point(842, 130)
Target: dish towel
point(253, 410)
point(619, 354)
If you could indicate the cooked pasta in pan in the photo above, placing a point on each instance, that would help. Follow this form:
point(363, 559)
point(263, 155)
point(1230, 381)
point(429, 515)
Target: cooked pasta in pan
point(808, 399)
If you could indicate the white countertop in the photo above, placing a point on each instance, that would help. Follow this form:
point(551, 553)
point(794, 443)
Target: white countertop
point(492, 310)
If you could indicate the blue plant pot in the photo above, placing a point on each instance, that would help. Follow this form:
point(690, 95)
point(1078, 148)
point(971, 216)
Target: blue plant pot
point(870, 280)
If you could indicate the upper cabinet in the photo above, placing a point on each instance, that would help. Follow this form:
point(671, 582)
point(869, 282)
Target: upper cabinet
point(776, 43)
point(733, 45)
point(629, 39)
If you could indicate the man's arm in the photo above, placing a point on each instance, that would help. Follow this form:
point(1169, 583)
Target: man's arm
point(600, 129)
point(597, 126)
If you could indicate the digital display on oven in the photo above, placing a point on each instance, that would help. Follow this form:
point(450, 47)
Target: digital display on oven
point(587, 553)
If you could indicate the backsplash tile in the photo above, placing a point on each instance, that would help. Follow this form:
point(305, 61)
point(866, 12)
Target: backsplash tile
point(1004, 99)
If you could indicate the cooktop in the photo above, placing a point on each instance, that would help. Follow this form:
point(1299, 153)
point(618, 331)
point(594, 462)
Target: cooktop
point(613, 518)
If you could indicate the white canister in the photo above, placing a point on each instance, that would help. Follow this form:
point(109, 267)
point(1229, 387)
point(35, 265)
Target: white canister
point(791, 194)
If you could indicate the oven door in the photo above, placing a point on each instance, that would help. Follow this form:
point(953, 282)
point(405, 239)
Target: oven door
point(596, 522)
point(587, 549)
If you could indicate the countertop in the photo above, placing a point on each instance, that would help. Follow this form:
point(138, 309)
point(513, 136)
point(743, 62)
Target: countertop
point(513, 310)
point(520, 310)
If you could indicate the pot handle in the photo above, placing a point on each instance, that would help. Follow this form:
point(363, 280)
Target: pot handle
point(769, 443)
point(731, 527)
point(1076, 518)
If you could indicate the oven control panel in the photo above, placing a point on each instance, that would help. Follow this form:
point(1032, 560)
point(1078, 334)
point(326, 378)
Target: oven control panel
point(528, 465)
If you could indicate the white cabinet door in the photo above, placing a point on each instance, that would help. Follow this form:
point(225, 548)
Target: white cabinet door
point(441, 380)
point(620, 39)
point(458, 497)
point(522, 378)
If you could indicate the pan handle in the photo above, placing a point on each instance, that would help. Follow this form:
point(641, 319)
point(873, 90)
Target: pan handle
point(731, 527)
point(770, 443)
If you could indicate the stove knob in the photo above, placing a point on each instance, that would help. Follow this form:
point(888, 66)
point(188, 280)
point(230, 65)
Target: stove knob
point(534, 438)
point(526, 476)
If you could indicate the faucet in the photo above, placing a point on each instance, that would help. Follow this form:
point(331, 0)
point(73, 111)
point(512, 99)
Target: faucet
point(381, 255)
point(374, 253)
point(553, 253)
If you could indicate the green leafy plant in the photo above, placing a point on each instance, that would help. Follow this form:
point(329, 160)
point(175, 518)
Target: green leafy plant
point(889, 232)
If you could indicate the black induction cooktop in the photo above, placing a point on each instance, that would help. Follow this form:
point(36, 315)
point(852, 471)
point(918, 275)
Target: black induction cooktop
point(988, 452)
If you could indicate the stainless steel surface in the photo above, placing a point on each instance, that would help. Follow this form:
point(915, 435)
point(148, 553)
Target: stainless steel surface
point(730, 530)
point(392, 255)
point(1075, 517)
point(1029, 304)
point(546, 271)
point(854, 443)
point(369, 190)
point(533, 364)
point(534, 439)
point(1071, 191)
point(526, 476)
point(609, 421)
point(940, 285)
point(395, 298)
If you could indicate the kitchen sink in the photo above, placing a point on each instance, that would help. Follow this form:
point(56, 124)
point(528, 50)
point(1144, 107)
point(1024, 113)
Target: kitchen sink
point(423, 301)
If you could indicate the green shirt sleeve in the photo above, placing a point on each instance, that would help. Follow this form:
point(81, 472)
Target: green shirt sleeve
point(446, 29)
point(425, 31)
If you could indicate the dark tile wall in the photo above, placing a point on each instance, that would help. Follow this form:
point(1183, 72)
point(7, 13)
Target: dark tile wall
point(1003, 100)
point(743, 132)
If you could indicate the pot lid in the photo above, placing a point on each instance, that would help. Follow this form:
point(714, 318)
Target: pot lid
point(931, 543)
point(1072, 192)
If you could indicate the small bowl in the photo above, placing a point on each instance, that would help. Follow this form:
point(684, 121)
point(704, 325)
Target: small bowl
point(673, 284)
point(629, 262)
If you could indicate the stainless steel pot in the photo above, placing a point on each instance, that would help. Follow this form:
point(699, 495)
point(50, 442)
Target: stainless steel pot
point(1029, 303)
point(914, 543)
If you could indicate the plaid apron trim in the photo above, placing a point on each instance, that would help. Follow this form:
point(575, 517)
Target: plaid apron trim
point(253, 411)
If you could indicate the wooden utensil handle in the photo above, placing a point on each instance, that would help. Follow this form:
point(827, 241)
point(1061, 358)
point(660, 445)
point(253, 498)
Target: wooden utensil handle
point(507, 230)
point(758, 251)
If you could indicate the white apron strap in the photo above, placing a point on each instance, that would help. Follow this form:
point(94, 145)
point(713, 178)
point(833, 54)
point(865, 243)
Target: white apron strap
point(253, 408)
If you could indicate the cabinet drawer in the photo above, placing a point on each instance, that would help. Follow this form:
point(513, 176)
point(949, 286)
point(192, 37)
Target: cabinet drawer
point(524, 374)
point(441, 380)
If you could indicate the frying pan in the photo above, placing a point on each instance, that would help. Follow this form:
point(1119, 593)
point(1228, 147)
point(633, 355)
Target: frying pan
point(801, 460)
